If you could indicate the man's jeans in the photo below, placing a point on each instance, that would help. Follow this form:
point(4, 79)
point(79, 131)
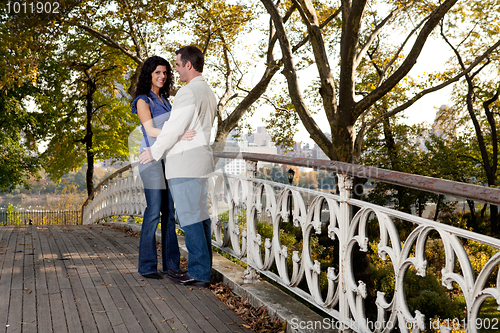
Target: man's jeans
point(158, 199)
point(198, 237)
point(190, 197)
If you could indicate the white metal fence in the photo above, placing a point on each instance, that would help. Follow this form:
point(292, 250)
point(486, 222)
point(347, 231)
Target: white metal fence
point(243, 209)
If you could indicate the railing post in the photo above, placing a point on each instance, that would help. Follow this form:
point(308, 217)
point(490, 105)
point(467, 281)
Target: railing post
point(250, 275)
point(345, 184)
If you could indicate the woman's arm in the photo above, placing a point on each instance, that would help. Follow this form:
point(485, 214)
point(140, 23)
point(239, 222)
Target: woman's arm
point(147, 121)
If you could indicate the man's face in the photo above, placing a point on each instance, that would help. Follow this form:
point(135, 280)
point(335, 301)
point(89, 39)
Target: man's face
point(181, 69)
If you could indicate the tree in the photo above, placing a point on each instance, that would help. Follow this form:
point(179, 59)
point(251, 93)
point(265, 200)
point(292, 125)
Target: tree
point(134, 27)
point(356, 37)
point(476, 99)
point(20, 128)
point(93, 116)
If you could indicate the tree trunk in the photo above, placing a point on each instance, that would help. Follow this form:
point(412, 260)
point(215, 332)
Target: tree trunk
point(438, 207)
point(494, 220)
point(91, 88)
point(473, 218)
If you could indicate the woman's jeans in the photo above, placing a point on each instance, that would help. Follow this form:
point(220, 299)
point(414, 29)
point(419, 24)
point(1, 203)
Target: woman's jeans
point(158, 200)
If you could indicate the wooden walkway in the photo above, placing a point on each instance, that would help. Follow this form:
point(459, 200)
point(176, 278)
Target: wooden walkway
point(84, 279)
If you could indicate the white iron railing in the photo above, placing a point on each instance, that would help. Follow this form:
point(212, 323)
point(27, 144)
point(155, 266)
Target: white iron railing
point(345, 297)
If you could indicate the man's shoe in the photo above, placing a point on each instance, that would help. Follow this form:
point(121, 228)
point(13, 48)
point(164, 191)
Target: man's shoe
point(153, 276)
point(179, 278)
point(185, 279)
point(175, 273)
point(200, 284)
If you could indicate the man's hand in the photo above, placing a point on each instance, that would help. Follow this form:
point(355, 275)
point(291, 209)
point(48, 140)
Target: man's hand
point(146, 156)
point(188, 135)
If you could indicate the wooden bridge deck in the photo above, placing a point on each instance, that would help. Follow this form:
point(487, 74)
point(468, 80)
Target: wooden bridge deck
point(84, 279)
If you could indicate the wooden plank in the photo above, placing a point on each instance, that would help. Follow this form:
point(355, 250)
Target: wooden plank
point(128, 321)
point(64, 261)
point(11, 310)
point(53, 288)
point(109, 305)
point(220, 310)
point(119, 267)
point(93, 281)
point(8, 247)
point(142, 314)
point(44, 319)
point(188, 306)
point(14, 320)
point(186, 311)
point(161, 315)
point(84, 279)
point(209, 314)
point(165, 294)
point(16, 287)
point(29, 291)
point(76, 273)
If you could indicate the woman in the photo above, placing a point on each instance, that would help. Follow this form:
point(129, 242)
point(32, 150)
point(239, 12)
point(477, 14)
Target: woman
point(150, 103)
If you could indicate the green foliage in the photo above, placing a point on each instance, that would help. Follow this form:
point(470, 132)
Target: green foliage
point(93, 115)
point(13, 216)
point(426, 293)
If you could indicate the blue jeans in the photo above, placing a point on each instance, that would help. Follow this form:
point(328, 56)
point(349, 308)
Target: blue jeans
point(158, 200)
point(190, 197)
point(198, 237)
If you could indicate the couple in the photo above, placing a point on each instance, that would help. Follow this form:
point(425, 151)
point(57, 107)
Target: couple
point(175, 147)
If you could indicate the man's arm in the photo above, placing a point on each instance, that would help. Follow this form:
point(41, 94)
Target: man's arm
point(182, 114)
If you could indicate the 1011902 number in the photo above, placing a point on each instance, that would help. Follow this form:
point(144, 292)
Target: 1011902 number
point(36, 7)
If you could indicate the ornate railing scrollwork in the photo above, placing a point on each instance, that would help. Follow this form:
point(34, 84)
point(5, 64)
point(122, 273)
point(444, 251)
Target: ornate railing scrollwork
point(240, 204)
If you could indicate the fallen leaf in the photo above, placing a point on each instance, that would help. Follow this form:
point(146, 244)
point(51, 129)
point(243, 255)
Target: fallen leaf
point(29, 291)
point(107, 284)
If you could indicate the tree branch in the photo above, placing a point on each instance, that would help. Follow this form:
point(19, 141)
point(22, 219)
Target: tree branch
point(327, 90)
point(110, 42)
point(290, 73)
point(408, 63)
point(376, 32)
point(369, 126)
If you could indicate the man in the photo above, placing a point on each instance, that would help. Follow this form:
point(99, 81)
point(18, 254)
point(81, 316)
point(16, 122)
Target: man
point(188, 163)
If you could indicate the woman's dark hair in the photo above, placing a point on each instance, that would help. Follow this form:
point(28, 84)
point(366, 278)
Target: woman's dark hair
point(143, 86)
point(192, 54)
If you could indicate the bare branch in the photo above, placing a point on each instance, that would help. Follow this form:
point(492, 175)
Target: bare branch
point(408, 63)
point(290, 73)
point(369, 126)
point(376, 32)
point(400, 49)
point(111, 43)
point(133, 32)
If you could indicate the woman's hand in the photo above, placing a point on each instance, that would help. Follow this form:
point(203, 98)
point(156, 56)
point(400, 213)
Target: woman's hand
point(188, 135)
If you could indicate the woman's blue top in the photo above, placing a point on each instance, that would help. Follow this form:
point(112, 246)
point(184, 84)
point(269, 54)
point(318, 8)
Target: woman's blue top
point(160, 112)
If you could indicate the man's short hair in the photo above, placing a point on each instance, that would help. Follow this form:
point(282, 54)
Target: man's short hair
point(192, 54)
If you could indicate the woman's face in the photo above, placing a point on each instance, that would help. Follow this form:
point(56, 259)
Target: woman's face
point(158, 77)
